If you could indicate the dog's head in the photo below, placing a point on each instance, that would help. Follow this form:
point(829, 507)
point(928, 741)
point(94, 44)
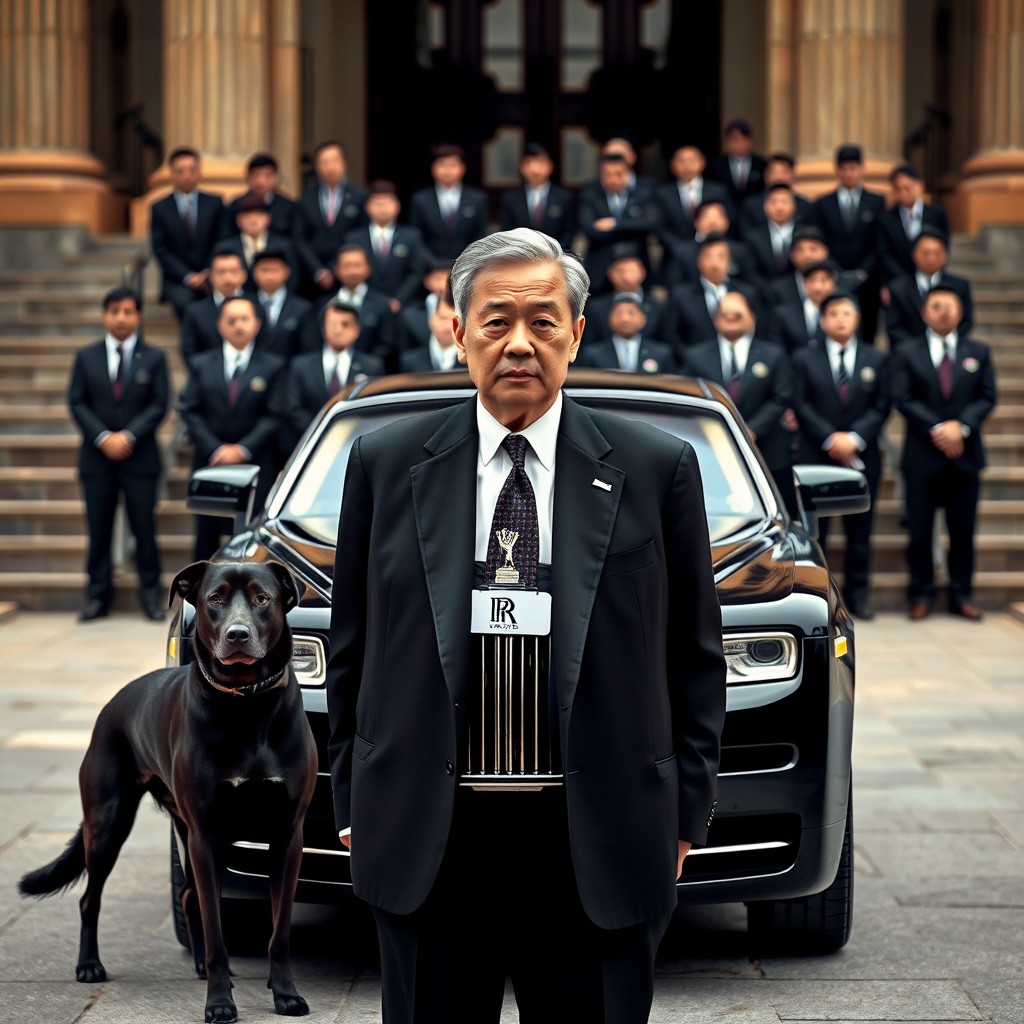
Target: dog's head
point(242, 634)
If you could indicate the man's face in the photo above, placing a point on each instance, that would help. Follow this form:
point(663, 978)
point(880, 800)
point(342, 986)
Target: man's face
point(778, 172)
point(262, 181)
point(850, 173)
point(840, 320)
point(252, 222)
point(780, 207)
point(737, 144)
point(713, 262)
point(733, 318)
point(807, 251)
point(907, 190)
point(330, 165)
point(536, 170)
point(270, 275)
point(942, 312)
point(227, 274)
point(614, 176)
point(238, 323)
point(712, 219)
point(818, 285)
point(626, 275)
point(448, 171)
point(626, 319)
point(121, 319)
point(185, 173)
point(687, 163)
point(929, 256)
point(441, 324)
point(382, 208)
point(352, 269)
point(436, 281)
point(518, 339)
point(341, 329)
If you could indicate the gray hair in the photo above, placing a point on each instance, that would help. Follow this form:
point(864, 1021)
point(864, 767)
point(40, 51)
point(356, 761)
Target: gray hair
point(519, 246)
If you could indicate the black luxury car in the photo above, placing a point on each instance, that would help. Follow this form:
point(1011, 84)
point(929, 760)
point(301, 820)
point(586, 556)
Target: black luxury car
point(782, 837)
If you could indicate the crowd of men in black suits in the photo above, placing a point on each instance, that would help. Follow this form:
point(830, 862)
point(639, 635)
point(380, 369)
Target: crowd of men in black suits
point(724, 271)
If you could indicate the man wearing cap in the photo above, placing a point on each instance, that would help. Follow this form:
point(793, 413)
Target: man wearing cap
point(284, 312)
point(263, 177)
point(901, 223)
point(841, 400)
point(907, 293)
point(540, 203)
point(848, 217)
point(626, 273)
point(798, 326)
point(253, 234)
point(449, 214)
point(944, 385)
point(739, 168)
point(780, 169)
point(629, 347)
point(226, 274)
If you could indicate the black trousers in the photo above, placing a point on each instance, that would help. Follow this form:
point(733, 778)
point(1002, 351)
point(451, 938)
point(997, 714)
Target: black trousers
point(505, 905)
point(857, 556)
point(956, 493)
point(101, 496)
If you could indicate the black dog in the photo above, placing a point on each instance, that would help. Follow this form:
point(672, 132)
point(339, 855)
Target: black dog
point(200, 738)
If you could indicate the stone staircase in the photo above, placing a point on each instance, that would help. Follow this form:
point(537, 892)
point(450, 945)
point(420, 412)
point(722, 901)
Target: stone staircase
point(49, 306)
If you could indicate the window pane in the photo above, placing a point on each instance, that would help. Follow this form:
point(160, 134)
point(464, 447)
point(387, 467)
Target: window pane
point(581, 52)
point(503, 44)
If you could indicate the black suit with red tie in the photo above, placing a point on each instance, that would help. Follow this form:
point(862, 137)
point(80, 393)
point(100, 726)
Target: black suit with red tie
point(316, 237)
point(556, 218)
point(446, 236)
point(182, 248)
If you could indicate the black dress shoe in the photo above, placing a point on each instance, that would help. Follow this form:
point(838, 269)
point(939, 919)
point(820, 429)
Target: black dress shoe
point(93, 610)
point(153, 612)
point(861, 611)
point(966, 611)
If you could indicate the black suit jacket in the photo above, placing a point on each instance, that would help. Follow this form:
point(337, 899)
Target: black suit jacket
point(787, 327)
point(284, 338)
point(599, 307)
point(759, 243)
point(178, 253)
point(418, 360)
point(472, 221)
point(855, 249)
point(916, 394)
point(894, 247)
point(637, 224)
point(655, 356)
point(633, 599)
point(675, 228)
point(765, 392)
point(682, 265)
point(317, 242)
point(199, 332)
point(903, 314)
point(718, 170)
point(821, 413)
point(558, 220)
point(140, 411)
point(687, 320)
point(400, 276)
point(282, 215)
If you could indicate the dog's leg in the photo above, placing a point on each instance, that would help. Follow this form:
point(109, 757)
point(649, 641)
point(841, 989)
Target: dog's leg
point(285, 858)
point(220, 1007)
point(190, 904)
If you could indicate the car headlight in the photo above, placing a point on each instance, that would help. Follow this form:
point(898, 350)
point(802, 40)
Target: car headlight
point(309, 660)
point(760, 657)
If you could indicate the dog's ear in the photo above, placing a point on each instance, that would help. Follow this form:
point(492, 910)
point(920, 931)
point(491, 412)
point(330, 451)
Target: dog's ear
point(186, 580)
point(289, 585)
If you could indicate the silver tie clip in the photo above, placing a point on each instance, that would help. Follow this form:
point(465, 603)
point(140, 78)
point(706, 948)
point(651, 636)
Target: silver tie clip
point(602, 484)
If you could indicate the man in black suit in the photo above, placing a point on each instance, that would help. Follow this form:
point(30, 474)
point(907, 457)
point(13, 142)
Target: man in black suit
point(118, 395)
point(848, 217)
point(253, 234)
point(184, 228)
point(610, 212)
point(797, 327)
point(901, 223)
point(841, 399)
point(232, 406)
point(626, 274)
point(449, 214)
point(397, 255)
point(263, 177)
point(907, 293)
point(284, 313)
point(440, 351)
point(679, 264)
point(316, 377)
point(412, 325)
point(808, 246)
point(944, 385)
point(613, 527)
point(629, 347)
point(771, 242)
point(199, 328)
point(738, 168)
point(325, 214)
point(540, 203)
point(780, 169)
point(758, 376)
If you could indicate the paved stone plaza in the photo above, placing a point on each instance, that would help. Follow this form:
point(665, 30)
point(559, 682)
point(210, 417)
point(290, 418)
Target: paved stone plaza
point(938, 930)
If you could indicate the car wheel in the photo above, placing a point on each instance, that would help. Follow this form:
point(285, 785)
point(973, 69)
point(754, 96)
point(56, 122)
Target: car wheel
point(812, 925)
point(177, 884)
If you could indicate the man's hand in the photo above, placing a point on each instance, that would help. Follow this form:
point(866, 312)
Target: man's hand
point(394, 305)
point(346, 841)
point(885, 296)
point(196, 280)
point(325, 279)
point(684, 849)
point(228, 455)
point(948, 437)
point(604, 223)
point(789, 420)
point(116, 446)
point(843, 449)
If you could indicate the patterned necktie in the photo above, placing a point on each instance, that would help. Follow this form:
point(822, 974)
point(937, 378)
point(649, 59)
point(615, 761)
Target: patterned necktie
point(733, 384)
point(332, 211)
point(450, 212)
point(843, 378)
point(118, 382)
point(515, 521)
point(537, 210)
point(190, 224)
point(335, 379)
point(382, 246)
point(235, 384)
point(946, 373)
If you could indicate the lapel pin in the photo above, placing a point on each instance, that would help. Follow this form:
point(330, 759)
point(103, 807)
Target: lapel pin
point(602, 484)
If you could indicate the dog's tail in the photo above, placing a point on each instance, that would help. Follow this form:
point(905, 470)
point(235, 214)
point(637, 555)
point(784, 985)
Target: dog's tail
point(59, 874)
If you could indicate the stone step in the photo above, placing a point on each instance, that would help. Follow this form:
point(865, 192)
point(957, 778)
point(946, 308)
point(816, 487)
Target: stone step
point(57, 483)
point(65, 591)
point(994, 517)
point(50, 450)
point(18, 345)
point(58, 554)
point(986, 319)
point(993, 552)
point(18, 517)
point(59, 283)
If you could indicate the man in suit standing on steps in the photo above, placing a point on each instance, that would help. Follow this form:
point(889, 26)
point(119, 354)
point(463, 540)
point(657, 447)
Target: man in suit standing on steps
point(118, 396)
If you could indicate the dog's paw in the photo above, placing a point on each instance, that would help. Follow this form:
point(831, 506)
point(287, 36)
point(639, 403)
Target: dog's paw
point(290, 1005)
point(200, 970)
point(221, 1012)
point(91, 971)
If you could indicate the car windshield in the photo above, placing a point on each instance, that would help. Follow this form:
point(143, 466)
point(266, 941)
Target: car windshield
point(731, 498)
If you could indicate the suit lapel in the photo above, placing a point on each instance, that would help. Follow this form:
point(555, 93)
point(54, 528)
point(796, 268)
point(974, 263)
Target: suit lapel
point(828, 381)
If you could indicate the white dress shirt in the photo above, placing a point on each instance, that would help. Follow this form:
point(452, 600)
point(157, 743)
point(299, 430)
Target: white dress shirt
point(448, 199)
point(443, 357)
point(273, 304)
point(340, 362)
point(251, 246)
point(627, 350)
point(535, 196)
point(382, 236)
point(811, 317)
point(494, 465)
point(112, 359)
point(713, 294)
point(354, 297)
point(938, 347)
point(911, 218)
point(234, 360)
point(741, 348)
point(849, 353)
point(781, 236)
point(691, 192)
point(924, 282)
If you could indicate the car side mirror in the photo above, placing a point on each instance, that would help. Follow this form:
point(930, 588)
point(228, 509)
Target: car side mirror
point(829, 491)
point(224, 491)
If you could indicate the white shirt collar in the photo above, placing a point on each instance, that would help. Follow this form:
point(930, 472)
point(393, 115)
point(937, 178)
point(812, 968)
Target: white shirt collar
point(128, 345)
point(834, 349)
point(924, 282)
point(542, 433)
point(741, 347)
point(939, 345)
point(357, 294)
point(233, 357)
point(276, 299)
point(342, 361)
point(446, 358)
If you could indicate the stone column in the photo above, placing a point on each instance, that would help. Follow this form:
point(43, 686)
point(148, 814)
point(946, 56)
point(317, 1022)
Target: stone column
point(992, 189)
point(47, 174)
point(847, 85)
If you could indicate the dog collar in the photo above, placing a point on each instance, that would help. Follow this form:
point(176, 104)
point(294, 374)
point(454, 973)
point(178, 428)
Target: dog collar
point(242, 691)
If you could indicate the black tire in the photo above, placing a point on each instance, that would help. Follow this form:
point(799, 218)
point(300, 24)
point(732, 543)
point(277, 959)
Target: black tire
point(177, 884)
point(811, 925)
